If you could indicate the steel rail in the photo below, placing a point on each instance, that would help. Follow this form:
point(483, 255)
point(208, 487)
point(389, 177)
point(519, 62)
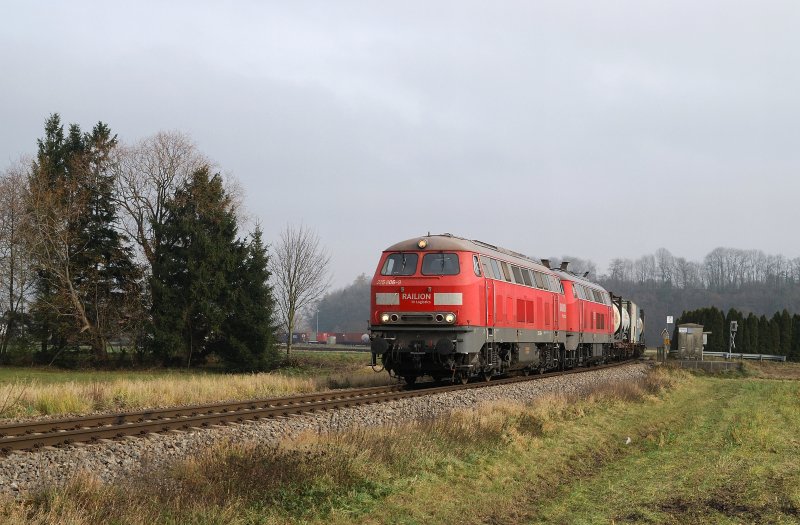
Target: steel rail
point(52, 425)
point(112, 426)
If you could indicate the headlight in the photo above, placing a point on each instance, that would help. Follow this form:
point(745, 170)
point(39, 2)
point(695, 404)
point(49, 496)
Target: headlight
point(449, 318)
point(384, 318)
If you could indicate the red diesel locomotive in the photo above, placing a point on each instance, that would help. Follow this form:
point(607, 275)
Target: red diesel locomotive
point(448, 307)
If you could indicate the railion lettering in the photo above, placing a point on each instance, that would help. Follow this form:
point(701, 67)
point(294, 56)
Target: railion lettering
point(416, 297)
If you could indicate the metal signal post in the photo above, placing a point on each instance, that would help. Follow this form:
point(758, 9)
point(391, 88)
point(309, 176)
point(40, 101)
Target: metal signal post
point(731, 340)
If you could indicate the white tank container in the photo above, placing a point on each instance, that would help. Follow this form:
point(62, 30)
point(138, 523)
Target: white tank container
point(622, 322)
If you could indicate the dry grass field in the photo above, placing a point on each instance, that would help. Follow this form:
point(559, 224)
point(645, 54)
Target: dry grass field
point(35, 392)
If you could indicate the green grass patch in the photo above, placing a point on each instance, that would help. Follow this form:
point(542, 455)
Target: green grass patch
point(47, 376)
point(317, 362)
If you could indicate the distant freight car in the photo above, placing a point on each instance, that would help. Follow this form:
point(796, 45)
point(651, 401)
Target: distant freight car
point(448, 307)
point(340, 338)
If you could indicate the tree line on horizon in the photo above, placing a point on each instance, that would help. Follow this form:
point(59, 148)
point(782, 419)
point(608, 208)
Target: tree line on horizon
point(748, 281)
point(114, 253)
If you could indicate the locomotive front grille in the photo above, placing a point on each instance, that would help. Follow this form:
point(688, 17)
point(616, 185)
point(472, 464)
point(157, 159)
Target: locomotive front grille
point(417, 318)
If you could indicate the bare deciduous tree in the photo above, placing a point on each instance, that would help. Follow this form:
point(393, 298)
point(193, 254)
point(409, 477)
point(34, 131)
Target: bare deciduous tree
point(299, 266)
point(15, 268)
point(147, 175)
point(665, 264)
point(53, 243)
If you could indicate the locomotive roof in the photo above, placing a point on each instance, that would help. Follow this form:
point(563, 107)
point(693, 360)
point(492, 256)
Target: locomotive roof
point(447, 241)
point(569, 276)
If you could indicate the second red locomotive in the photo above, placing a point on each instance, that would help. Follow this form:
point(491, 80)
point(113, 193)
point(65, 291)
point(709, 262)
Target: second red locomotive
point(454, 308)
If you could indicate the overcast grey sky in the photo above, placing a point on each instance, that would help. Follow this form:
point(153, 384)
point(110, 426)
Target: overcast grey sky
point(599, 129)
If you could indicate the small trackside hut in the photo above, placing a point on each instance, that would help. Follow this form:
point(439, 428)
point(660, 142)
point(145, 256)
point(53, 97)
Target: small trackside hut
point(453, 308)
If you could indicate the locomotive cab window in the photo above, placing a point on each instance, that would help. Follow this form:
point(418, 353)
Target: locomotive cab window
point(476, 265)
point(440, 264)
point(400, 264)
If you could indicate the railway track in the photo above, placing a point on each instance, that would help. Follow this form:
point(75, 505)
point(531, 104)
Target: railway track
point(32, 436)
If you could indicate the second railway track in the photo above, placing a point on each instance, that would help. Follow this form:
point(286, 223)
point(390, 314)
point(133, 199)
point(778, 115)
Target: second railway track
point(32, 436)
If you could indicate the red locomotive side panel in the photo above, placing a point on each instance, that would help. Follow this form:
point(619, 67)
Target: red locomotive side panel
point(527, 301)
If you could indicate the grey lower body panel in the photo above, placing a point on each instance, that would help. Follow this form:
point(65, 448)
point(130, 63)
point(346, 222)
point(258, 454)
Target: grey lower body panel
point(463, 351)
point(440, 351)
point(516, 335)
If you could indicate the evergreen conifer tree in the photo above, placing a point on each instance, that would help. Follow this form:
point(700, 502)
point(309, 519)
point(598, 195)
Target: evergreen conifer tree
point(765, 341)
point(714, 322)
point(775, 334)
point(794, 353)
point(752, 331)
point(87, 279)
point(210, 292)
point(248, 328)
point(786, 329)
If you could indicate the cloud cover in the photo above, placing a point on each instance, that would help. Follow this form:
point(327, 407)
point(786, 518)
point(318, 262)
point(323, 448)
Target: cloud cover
point(600, 129)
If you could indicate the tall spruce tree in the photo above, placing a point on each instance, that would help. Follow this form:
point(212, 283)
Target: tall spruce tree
point(753, 345)
point(209, 288)
point(794, 353)
point(775, 334)
point(105, 271)
point(87, 279)
point(49, 169)
point(765, 340)
point(785, 327)
point(714, 322)
point(247, 343)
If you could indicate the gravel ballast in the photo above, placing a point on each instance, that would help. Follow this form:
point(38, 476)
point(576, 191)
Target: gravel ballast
point(113, 460)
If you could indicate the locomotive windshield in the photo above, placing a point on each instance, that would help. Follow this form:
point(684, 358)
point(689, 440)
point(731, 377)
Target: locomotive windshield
point(440, 264)
point(400, 264)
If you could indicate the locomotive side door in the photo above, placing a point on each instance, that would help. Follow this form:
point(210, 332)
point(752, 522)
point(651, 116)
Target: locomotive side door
point(556, 312)
point(581, 320)
point(555, 317)
point(489, 303)
point(488, 292)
